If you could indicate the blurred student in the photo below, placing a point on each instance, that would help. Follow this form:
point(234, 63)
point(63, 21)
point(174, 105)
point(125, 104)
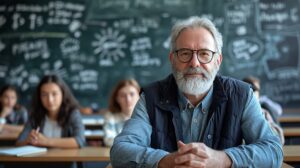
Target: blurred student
point(12, 115)
point(273, 107)
point(121, 104)
point(55, 120)
point(270, 109)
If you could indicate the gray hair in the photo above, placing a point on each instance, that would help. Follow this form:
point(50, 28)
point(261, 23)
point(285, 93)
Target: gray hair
point(196, 22)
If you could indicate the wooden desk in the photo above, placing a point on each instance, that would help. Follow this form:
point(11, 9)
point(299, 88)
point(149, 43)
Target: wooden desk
point(290, 120)
point(94, 137)
point(291, 131)
point(8, 138)
point(291, 153)
point(285, 165)
point(64, 155)
point(6, 135)
point(93, 129)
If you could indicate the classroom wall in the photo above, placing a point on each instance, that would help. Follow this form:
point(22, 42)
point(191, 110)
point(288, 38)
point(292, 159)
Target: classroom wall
point(94, 43)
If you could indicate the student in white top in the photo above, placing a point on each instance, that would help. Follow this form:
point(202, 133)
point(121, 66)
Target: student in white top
point(55, 120)
point(121, 104)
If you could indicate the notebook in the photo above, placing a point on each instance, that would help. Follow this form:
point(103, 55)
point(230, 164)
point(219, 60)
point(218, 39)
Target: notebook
point(22, 151)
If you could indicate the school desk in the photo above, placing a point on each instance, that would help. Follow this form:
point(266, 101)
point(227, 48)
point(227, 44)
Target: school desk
point(290, 120)
point(291, 153)
point(291, 131)
point(285, 165)
point(59, 157)
point(8, 138)
point(63, 155)
point(291, 135)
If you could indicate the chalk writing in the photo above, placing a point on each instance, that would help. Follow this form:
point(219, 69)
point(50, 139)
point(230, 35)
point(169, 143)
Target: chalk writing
point(32, 49)
point(279, 15)
point(240, 19)
point(109, 45)
point(278, 65)
point(86, 80)
point(35, 16)
point(245, 50)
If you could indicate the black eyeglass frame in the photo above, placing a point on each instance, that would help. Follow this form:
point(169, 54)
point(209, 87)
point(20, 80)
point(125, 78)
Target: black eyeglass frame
point(197, 51)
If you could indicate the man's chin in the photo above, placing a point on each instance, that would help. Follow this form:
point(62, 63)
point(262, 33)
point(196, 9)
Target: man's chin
point(195, 77)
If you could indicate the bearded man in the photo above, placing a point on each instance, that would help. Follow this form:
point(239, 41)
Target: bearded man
point(194, 117)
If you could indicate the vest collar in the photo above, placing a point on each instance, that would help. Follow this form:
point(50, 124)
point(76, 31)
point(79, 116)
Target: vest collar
point(169, 102)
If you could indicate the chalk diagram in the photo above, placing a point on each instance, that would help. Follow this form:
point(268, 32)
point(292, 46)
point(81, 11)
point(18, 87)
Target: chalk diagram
point(20, 77)
point(244, 53)
point(282, 58)
point(69, 46)
point(109, 45)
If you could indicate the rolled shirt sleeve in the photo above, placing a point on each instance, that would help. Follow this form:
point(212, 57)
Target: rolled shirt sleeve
point(131, 147)
point(262, 146)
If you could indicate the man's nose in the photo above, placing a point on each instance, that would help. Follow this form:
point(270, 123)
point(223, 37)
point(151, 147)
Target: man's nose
point(194, 61)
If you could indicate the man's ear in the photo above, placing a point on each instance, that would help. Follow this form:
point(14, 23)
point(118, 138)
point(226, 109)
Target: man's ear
point(219, 60)
point(171, 56)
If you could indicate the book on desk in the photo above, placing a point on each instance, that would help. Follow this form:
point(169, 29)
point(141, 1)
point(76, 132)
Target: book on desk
point(22, 151)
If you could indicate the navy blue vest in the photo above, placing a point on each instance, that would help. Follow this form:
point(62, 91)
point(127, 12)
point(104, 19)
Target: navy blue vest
point(223, 129)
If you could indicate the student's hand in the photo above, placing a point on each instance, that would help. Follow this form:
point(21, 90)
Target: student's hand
point(36, 138)
point(39, 139)
point(31, 138)
point(5, 111)
point(200, 155)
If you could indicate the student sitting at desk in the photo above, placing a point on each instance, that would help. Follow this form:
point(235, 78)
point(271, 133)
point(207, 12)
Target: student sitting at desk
point(121, 105)
point(12, 115)
point(55, 120)
point(270, 109)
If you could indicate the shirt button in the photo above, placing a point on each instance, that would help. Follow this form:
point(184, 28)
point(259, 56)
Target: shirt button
point(203, 111)
point(190, 106)
point(209, 136)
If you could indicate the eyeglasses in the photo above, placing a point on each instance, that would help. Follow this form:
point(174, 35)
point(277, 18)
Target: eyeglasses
point(185, 55)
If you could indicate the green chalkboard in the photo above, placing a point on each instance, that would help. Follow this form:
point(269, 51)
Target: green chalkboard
point(94, 43)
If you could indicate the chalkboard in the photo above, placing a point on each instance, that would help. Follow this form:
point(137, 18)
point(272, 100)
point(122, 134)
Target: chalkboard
point(94, 43)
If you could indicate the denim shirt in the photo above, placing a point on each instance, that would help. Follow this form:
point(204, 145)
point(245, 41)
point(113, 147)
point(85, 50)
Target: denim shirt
point(192, 117)
point(261, 149)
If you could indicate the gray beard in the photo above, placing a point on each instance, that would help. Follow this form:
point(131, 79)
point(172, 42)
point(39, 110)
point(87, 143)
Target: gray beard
point(194, 86)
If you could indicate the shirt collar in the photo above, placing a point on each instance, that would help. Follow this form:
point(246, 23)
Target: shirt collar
point(184, 102)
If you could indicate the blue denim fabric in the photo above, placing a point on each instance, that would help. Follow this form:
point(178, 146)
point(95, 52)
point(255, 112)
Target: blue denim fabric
point(193, 117)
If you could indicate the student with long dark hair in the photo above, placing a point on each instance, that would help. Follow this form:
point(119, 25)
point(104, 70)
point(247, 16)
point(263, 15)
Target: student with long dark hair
point(55, 120)
point(12, 115)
